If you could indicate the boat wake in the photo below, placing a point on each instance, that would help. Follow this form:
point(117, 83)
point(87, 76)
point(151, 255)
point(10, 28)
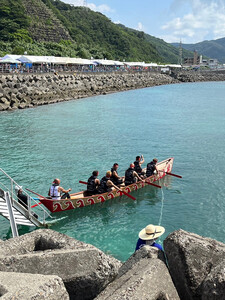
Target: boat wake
point(56, 220)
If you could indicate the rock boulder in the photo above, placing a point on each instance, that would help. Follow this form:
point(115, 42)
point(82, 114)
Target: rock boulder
point(28, 286)
point(143, 277)
point(192, 262)
point(84, 269)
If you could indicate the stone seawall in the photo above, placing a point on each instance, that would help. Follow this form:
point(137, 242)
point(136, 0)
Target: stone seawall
point(197, 76)
point(23, 91)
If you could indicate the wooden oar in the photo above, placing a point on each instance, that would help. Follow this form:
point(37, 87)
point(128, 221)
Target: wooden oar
point(153, 184)
point(84, 182)
point(168, 173)
point(36, 194)
point(36, 205)
point(128, 195)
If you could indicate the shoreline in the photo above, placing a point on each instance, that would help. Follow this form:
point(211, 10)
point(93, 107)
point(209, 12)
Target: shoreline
point(20, 91)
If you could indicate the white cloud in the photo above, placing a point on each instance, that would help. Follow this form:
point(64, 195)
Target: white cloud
point(206, 18)
point(140, 26)
point(75, 2)
point(103, 8)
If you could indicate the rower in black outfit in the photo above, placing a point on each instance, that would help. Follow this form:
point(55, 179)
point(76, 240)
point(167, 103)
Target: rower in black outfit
point(131, 176)
point(151, 167)
point(137, 165)
point(115, 177)
point(93, 184)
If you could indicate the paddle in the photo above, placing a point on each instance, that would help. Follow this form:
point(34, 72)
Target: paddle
point(153, 184)
point(84, 182)
point(36, 194)
point(168, 173)
point(36, 205)
point(128, 195)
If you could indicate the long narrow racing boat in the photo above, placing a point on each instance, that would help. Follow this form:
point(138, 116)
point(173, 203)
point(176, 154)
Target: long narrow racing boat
point(78, 200)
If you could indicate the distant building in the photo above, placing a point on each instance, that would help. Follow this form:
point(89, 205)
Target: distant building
point(211, 62)
point(192, 61)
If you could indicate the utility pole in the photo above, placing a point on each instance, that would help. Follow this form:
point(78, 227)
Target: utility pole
point(85, 3)
point(180, 54)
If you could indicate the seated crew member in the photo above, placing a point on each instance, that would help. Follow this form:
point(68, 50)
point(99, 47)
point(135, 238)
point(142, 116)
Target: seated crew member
point(106, 184)
point(93, 183)
point(151, 167)
point(115, 177)
point(55, 191)
point(137, 165)
point(131, 176)
point(148, 236)
point(22, 199)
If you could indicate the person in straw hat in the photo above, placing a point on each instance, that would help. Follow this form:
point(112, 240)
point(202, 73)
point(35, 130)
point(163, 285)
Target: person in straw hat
point(148, 236)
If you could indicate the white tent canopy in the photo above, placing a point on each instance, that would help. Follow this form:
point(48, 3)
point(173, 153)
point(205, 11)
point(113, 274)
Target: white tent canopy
point(81, 61)
point(151, 65)
point(173, 66)
point(9, 61)
point(14, 56)
point(135, 64)
point(106, 62)
point(61, 60)
point(36, 59)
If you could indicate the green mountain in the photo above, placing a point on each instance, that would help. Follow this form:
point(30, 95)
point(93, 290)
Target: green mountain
point(212, 49)
point(51, 27)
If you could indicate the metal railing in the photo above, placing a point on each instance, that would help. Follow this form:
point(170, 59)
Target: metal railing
point(10, 187)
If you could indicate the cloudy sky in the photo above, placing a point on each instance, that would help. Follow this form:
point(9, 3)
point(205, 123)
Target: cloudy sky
point(191, 21)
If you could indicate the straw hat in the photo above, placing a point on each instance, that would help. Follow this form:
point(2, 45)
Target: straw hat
point(151, 232)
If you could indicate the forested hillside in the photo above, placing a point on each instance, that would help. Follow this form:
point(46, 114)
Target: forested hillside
point(51, 27)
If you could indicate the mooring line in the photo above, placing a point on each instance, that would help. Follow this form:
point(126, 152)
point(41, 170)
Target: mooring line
point(161, 211)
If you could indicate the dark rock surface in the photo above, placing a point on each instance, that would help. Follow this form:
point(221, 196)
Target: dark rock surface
point(84, 269)
point(21, 286)
point(195, 265)
point(213, 286)
point(143, 277)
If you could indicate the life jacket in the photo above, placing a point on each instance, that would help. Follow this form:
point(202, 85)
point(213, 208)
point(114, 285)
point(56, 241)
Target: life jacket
point(91, 186)
point(150, 168)
point(114, 178)
point(129, 176)
point(137, 167)
point(54, 192)
point(103, 185)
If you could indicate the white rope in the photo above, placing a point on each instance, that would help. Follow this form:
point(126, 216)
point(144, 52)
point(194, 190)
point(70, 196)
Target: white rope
point(161, 211)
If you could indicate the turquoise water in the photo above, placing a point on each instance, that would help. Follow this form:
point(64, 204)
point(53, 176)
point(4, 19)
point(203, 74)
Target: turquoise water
point(69, 140)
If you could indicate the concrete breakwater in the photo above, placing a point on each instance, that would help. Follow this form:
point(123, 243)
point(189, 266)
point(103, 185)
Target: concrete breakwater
point(198, 76)
point(24, 91)
point(45, 264)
